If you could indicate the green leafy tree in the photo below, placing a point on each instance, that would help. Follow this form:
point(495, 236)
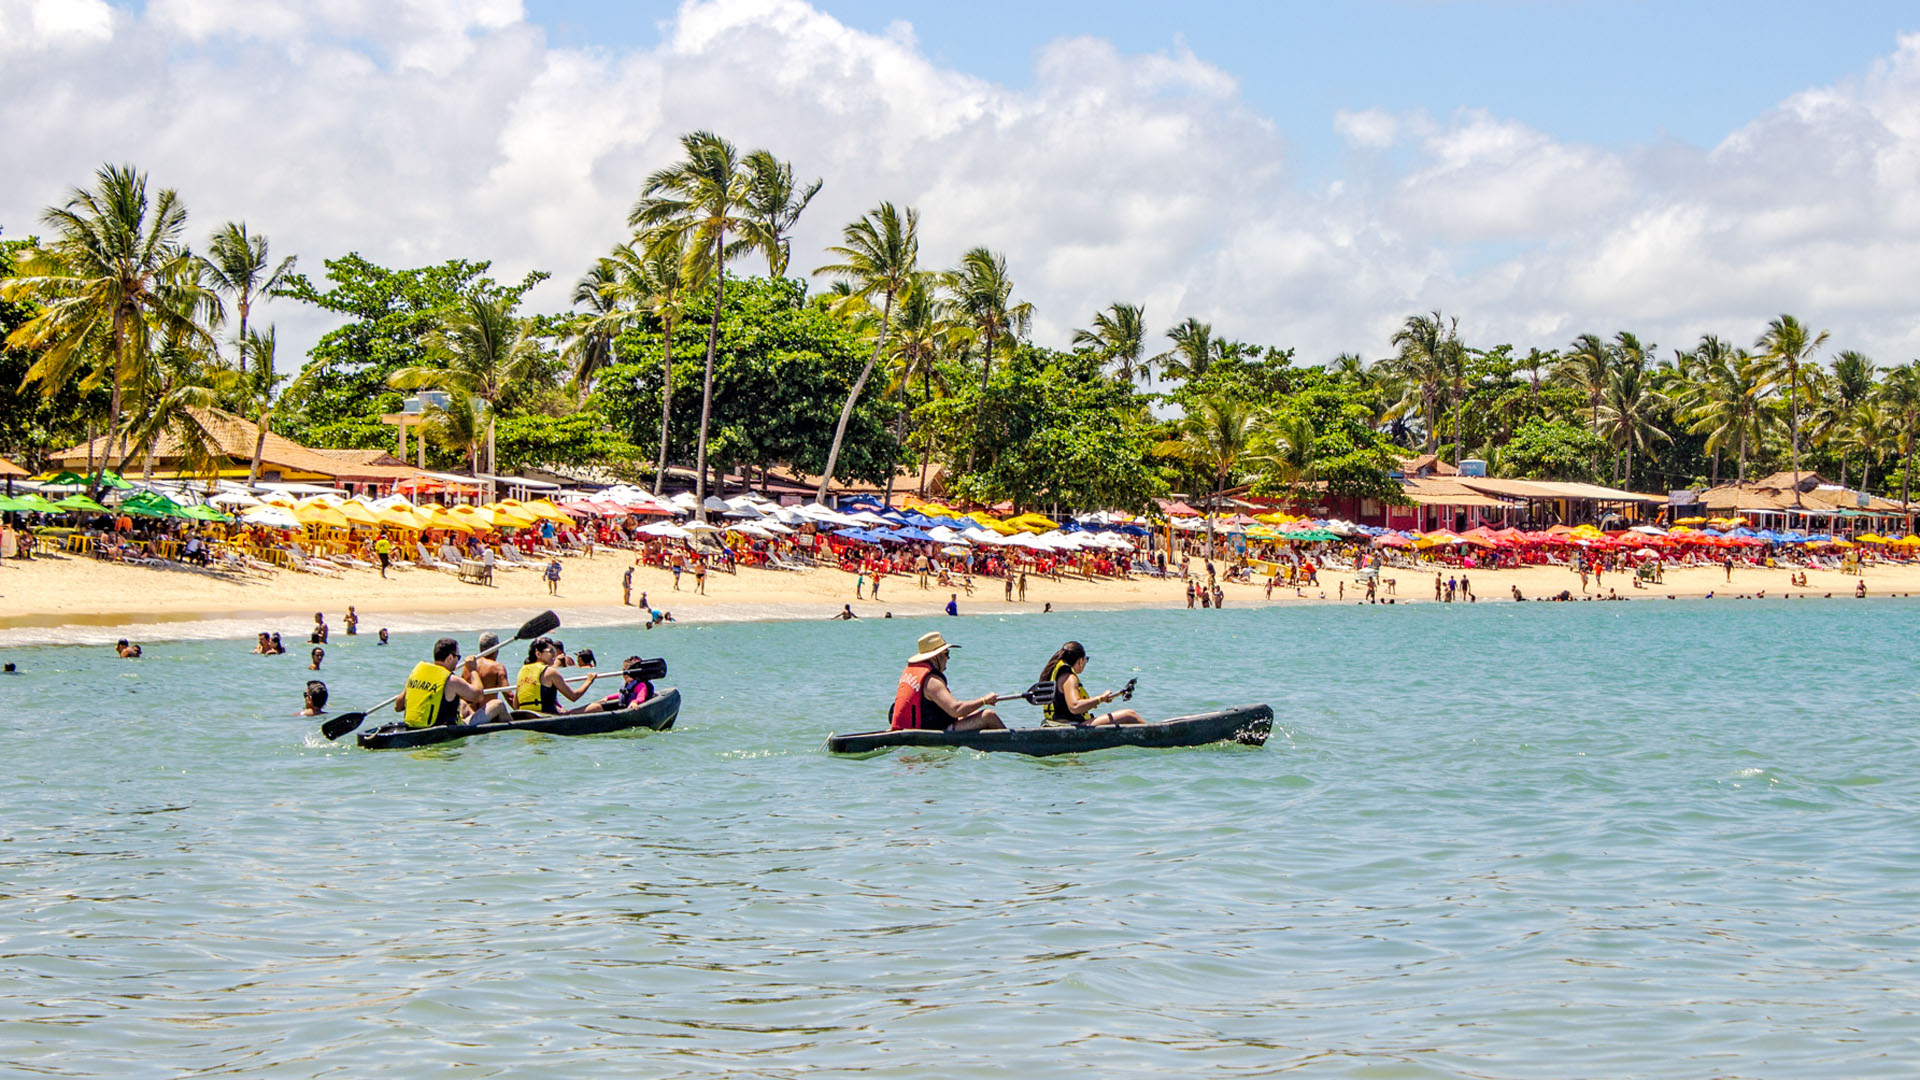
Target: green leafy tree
point(1213, 437)
point(1553, 450)
point(389, 314)
point(584, 439)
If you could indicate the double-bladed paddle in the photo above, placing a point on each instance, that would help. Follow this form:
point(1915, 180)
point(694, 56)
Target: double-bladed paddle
point(1043, 693)
point(347, 722)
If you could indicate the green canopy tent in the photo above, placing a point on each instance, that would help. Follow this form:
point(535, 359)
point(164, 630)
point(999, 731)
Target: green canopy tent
point(152, 504)
point(80, 502)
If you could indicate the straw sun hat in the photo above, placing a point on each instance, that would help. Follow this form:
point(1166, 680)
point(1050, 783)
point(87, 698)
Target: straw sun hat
point(931, 645)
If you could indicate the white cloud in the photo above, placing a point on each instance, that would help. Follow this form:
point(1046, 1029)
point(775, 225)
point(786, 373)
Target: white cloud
point(420, 130)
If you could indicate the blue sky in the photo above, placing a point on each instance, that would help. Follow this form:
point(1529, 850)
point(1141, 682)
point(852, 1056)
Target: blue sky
point(1613, 74)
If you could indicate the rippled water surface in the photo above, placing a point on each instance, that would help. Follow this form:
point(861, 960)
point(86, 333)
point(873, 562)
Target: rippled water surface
point(1596, 840)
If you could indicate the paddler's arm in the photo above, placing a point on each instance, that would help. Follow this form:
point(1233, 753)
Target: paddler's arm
point(558, 681)
point(400, 703)
point(942, 698)
point(466, 691)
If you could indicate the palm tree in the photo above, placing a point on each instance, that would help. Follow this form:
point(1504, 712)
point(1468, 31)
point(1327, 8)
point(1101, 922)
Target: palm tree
point(237, 263)
point(1627, 406)
point(1872, 428)
point(881, 255)
point(773, 206)
point(922, 339)
point(1786, 345)
point(663, 275)
point(982, 296)
point(1285, 442)
point(609, 309)
point(1584, 367)
point(258, 387)
point(1193, 352)
point(1213, 437)
point(1900, 396)
point(112, 285)
point(1119, 335)
point(702, 198)
point(1849, 387)
point(483, 351)
point(1727, 405)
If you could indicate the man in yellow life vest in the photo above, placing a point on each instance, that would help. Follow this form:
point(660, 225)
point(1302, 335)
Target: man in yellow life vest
point(433, 693)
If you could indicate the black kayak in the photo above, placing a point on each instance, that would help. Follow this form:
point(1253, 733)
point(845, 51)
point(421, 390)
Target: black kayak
point(657, 714)
point(1247, 724)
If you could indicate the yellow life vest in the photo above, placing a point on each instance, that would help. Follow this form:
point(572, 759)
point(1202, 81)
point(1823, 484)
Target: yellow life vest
point(426, 694)
point(528, 690)
point(1056, 710)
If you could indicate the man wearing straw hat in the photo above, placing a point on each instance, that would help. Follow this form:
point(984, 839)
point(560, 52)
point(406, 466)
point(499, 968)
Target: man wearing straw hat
point(922, 699)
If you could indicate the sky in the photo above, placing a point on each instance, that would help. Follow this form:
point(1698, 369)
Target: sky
point(1298, 174)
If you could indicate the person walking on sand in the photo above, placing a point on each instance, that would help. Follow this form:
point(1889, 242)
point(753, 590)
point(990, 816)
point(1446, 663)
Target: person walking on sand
point(626, 588)
point(1466, 590)
point(677, 568)
point(1190, 592)
point(1438, 585)
point(1009, 586)
point(700, 577)
point(920, 565)
point(1729, 565)
point(1023, 586)
point(553, 578)
point(383, 548)
point(860, 585)
point(875, 594)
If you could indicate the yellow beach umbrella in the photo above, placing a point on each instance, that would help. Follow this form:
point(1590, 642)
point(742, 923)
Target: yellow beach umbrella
point(477, 517)
point(515, 516)
point(1871, 538)
point(402, 517)
point(1906, 541)
point(315, 512)
point(545, 508)
point(359, 513)
point(439, 517)
point(1034, 522)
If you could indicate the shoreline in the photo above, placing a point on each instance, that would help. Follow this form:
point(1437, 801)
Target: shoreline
point(66, 600)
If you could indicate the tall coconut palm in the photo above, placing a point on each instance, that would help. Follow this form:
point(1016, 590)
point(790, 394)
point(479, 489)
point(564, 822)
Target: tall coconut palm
point(1419, 368)
point(1119, 335)
point(922, 338)
point(1584, 367)
point(1687, 386)
point(237, 266)
point(1900, 395)
point(981, 295)
point(1213, 437)
point(258, 385)
point(880, 255)
point(1285, 443)
point(1837, 405)
point(1194, 350)
point(1874, 427)
point(1628, 405)
point(703, 199)
point(609, 308)
point(112, 284)
point(1730, 407)
point(482, 350)
point(1786, 345)
point(773, 205)
point(663, 274)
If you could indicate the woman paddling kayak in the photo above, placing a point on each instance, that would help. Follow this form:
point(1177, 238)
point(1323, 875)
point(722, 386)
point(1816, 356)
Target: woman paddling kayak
point(1070, 703)
point(540, 684)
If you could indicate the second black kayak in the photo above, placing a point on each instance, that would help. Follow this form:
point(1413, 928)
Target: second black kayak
point(657, 714)
point(1247, 724)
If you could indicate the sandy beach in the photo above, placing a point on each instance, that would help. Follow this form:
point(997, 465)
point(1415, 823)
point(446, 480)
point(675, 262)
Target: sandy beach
point(64, 592)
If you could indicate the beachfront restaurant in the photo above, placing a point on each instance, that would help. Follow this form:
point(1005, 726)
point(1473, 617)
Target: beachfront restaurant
point(1806, 501)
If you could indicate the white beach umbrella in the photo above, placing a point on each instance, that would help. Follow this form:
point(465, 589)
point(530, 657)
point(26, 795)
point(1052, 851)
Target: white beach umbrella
point(699, 526)
point(273, 517)
point(234, 498)
point(772, 527)
point(665, 530)
point(943, 534)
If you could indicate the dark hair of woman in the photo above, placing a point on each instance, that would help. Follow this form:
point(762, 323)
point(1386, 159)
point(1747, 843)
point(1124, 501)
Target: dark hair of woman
point(1072, 652)
point(537, 644)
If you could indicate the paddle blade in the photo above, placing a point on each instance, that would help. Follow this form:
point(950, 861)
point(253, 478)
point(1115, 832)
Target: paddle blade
point(1040, 693)
point(342, 724)
point(544, 623)
point(648, 670)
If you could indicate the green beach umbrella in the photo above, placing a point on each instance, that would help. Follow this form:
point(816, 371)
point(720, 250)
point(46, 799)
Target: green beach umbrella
point(112, 481)
point(9, 504)
point(79, 502)
point(36, 501)
point(204, 513)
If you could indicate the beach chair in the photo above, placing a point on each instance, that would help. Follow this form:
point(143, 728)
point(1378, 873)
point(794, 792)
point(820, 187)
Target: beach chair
point(425, 560)
point(508, 559)
point(307, 566)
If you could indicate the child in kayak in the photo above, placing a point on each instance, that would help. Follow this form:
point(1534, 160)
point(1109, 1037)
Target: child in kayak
point(635, 692)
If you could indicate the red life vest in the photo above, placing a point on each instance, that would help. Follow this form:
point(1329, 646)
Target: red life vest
point(910, 708)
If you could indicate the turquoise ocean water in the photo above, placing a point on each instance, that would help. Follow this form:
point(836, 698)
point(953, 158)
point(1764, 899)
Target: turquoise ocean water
point(1594, 840)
